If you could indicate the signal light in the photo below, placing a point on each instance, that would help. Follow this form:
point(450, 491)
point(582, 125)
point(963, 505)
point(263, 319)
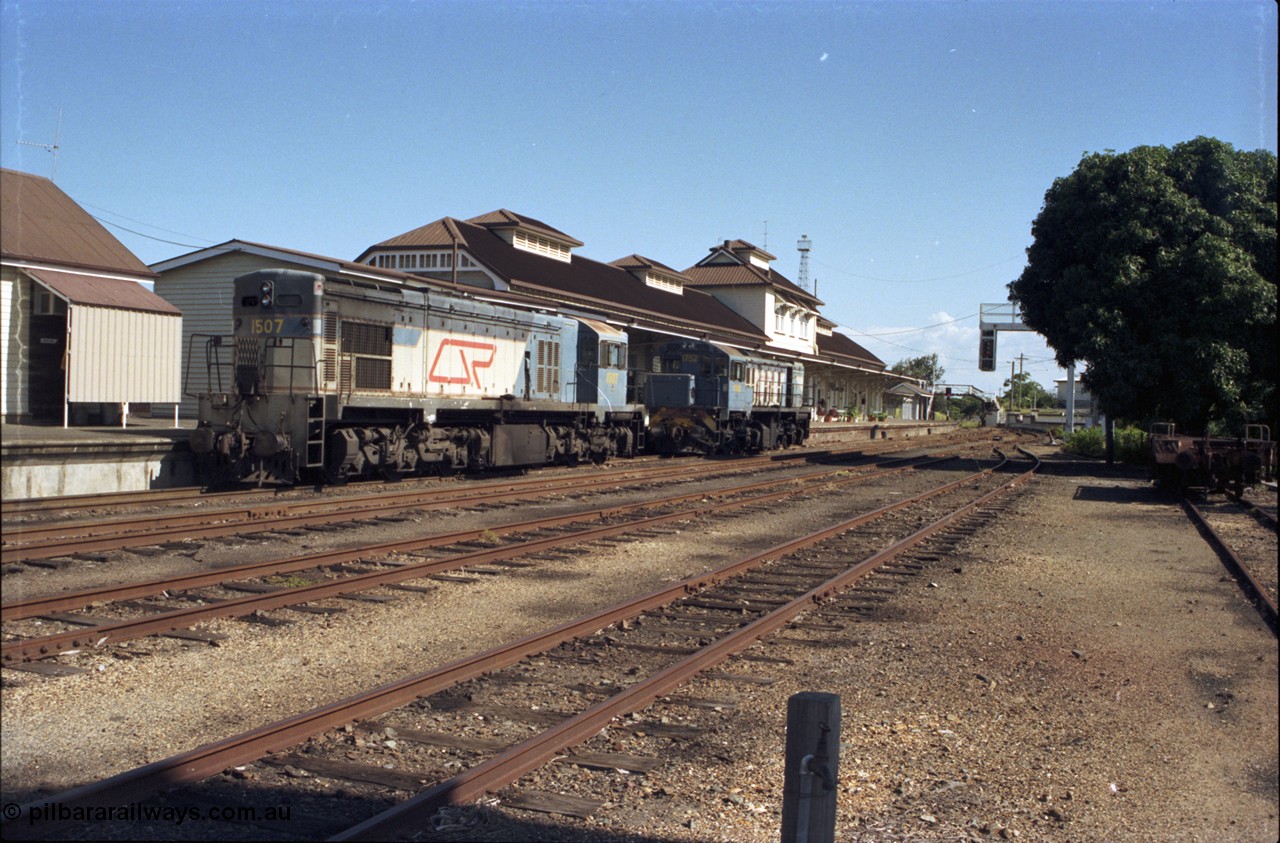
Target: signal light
point(987, 350)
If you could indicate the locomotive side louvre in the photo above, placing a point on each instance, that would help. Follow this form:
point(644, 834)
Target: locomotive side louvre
point(357, 379)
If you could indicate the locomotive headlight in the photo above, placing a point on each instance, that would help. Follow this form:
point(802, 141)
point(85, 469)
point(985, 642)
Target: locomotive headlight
point(267, 293)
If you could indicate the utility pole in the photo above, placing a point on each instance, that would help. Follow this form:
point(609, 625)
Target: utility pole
point(1021, 390)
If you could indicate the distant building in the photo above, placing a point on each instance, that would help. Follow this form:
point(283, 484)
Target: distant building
point(83, 339)
point(1084, 399)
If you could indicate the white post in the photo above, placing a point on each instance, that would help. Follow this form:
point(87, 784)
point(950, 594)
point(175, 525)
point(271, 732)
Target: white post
point(1069, 423)
point(124, 414)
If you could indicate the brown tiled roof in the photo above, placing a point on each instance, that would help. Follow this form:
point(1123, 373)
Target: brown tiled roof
point(436, 233)
point(741, 245)
point(502, 218)
point(839, 346)
point(632, 262)
point(38, 222)
point(743, 275)
point(602, 287)
point(607, 288)
point(119, 293)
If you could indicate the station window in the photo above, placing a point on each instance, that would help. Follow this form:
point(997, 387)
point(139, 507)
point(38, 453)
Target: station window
point(46, 304)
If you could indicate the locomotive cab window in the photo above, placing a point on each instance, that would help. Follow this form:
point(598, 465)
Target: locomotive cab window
point(611, 355)
point(738, 371)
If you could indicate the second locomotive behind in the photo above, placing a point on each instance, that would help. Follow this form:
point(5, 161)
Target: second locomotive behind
point(342, 379)
point(711, 399)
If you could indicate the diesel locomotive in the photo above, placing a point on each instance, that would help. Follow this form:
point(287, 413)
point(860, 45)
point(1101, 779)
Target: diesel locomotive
point(333, 379)
point(711, 399)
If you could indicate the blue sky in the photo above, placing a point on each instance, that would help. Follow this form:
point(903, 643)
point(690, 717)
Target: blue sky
point(911, 141)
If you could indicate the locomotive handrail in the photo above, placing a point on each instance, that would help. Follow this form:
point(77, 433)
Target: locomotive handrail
point(212, 362)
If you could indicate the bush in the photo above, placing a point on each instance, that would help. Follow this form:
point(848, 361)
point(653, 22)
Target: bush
point(1130, 442)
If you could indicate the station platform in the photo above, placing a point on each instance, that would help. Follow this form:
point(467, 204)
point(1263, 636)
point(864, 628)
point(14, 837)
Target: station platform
point(47, 460)
point(39, 461)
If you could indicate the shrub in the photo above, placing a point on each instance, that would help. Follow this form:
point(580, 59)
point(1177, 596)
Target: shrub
point(1130, 444)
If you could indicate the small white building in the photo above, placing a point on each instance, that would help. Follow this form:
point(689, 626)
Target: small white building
point(83, 339)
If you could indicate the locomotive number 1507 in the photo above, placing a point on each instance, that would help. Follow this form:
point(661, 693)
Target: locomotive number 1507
point(267, 326)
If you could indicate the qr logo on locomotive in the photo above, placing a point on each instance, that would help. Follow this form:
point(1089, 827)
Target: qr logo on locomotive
point(471, 356)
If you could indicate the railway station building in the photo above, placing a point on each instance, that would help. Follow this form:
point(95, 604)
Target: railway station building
point(731, 297)
point(84, 340)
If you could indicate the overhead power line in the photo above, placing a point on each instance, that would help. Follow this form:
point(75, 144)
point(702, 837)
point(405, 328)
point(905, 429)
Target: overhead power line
point(918, 280)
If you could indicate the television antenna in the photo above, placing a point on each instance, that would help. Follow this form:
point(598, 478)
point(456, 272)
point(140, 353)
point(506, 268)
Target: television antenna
point(51, 147)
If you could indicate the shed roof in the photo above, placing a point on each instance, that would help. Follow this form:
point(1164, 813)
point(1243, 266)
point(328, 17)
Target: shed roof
point(102, 291)
point(38, 222)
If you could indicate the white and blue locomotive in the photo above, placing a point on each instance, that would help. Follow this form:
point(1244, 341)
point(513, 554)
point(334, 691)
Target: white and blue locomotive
point(712, 399)
point(336, 379)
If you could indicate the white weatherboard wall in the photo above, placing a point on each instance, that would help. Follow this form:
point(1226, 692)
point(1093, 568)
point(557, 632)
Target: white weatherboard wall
point(15, 294)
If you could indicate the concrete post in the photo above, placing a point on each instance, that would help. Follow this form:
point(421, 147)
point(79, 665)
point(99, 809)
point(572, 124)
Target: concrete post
point(811, 768)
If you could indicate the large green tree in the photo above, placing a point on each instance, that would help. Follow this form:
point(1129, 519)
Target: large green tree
point(1156, 269)
point(926, 368)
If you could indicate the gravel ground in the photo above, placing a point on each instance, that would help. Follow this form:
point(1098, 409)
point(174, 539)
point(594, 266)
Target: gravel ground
point(1081, 671)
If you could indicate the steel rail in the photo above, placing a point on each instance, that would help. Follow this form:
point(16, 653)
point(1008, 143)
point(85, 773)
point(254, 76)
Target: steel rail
point(508, 766)
point(214, 757)
point(45, 541)
point(64, 601)
point(1248, 583)
point(32, 649)
point(1259, 514)
point(62, 540)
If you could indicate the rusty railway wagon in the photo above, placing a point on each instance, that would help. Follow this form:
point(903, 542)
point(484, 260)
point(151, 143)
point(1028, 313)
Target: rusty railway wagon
point(1180, 461)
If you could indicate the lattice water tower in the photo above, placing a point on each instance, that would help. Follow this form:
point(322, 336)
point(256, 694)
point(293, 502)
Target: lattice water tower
point(804, 245)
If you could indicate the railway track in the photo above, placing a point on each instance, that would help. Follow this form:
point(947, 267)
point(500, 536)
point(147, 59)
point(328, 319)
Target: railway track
point(27, 541)
point(1244, 537)
point(605, 668)
point(393, 563)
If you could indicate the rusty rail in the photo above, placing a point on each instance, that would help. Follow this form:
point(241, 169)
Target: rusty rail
point(216, 756)
point(95, 636)
point(1249, 584)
